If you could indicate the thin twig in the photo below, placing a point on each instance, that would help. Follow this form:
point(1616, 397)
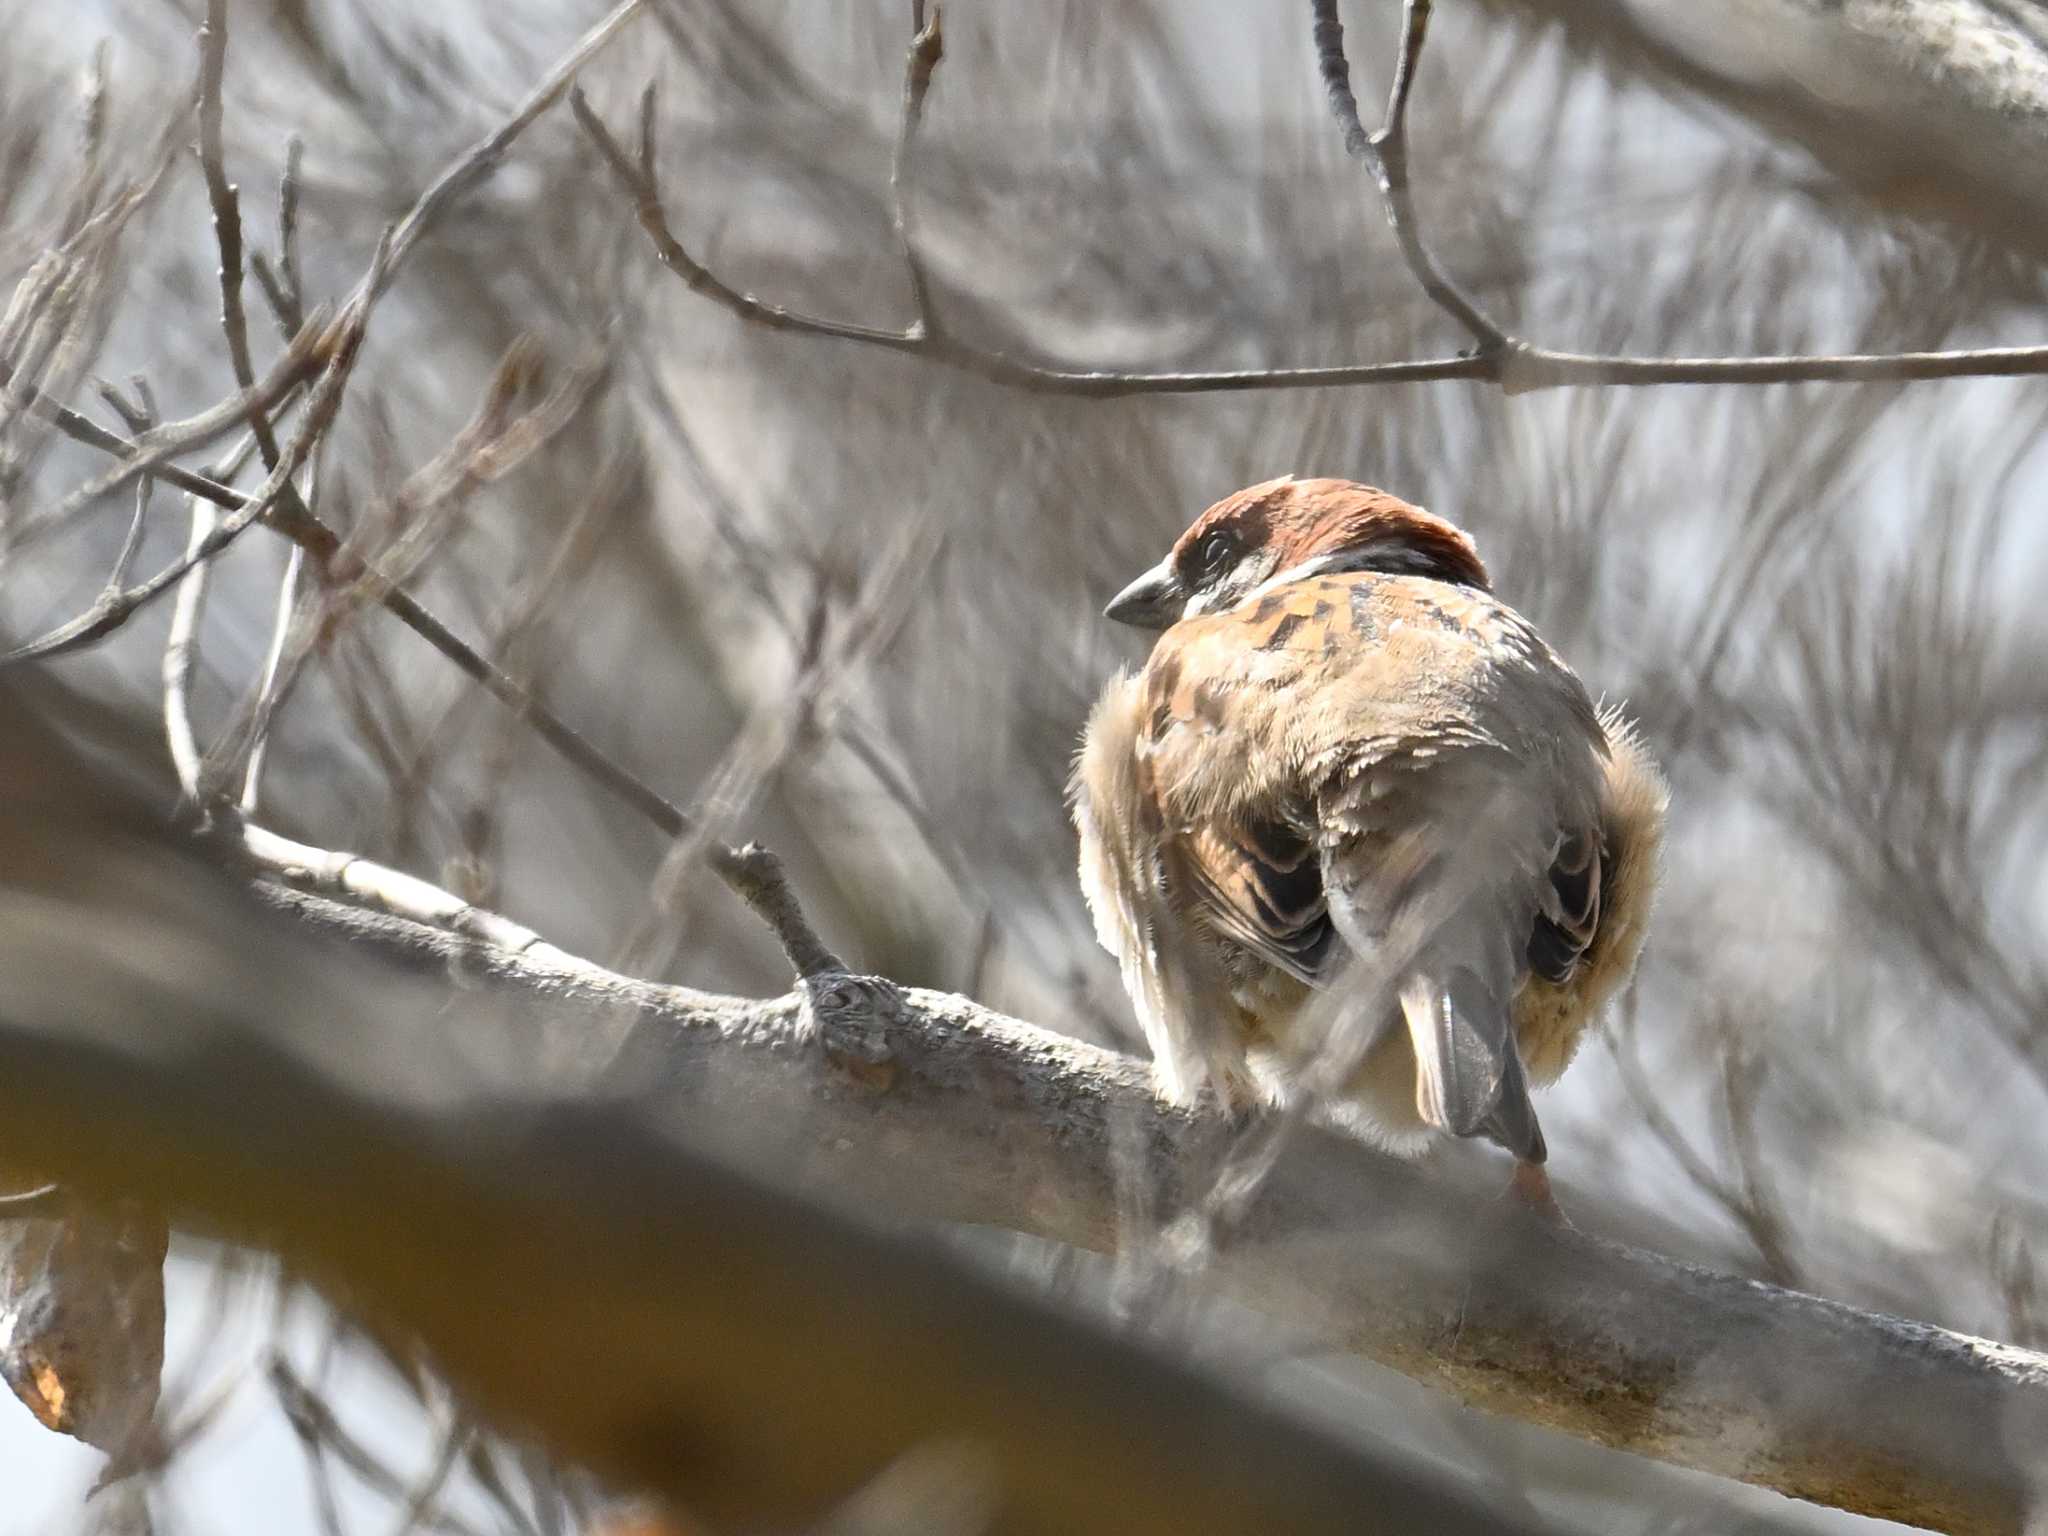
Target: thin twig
point(225, 200)
point(209, 539)
point(801, 716)
point(117, 602)
point(1386, 155)
point(144, 417)
point(147, 454)
point(943, 348)
point(283, 287)
point(758, 878)
point(326, 399)
point(927, 47)
point(1763, 1235)
point(493, 444)
point(181, 650)
point(137, 415)
point(92, 141)
point(423, 1496)
point(321, 1432)
point(266, 687)
point(323, 544)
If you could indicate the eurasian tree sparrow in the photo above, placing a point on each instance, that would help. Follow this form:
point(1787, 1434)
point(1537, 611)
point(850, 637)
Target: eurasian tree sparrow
point(1350, 790)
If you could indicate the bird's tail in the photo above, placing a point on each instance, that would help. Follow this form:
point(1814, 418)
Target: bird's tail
point(1469, 1080)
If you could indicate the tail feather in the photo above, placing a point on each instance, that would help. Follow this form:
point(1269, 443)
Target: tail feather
point(1469, 1079)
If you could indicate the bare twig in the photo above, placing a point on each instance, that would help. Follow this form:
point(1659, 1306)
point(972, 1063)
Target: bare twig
point(422, 1499)
point(1741, 1072)
point(1386, 155)
point(945, 349)
point(140, 418)
point(181, 651)
point(225, 200)
point(1498, 357)
point(137, 415)
point(1765, 1235)
point(313, 348)
point(104, 618)
point(321, 1433)
point(92, 141)
point(927, 47)
point(117, 604)
point(494, 443)
point(282, 287)
point(802, 714)
point(266, 687)
point(322, 543)
point(208, 541)
point(756, 875)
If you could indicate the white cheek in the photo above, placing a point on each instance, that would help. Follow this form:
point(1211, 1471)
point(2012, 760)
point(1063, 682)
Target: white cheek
point(1300, 572)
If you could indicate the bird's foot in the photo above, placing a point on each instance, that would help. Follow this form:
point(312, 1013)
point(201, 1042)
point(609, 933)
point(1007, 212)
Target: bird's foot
point(1530, 1188)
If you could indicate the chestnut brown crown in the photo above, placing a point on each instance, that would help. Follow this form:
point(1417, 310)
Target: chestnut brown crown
point(1287, 529)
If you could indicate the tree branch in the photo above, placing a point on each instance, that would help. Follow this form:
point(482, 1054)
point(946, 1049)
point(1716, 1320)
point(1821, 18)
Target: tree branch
point(1499, 357)
point(920, 1104)
point(1930, 106)
point(702, 1332)
point(1386, 155)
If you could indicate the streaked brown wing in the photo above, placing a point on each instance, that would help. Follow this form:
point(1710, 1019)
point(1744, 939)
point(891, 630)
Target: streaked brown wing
point(1262, 886)
point(1570, 914)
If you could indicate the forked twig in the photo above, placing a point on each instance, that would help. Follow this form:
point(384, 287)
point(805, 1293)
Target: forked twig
point(1496, 357)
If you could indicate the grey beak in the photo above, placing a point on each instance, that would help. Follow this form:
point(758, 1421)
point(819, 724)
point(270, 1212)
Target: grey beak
point(1153, 601)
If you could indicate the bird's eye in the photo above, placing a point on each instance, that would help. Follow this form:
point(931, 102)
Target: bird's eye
point(1215, 550)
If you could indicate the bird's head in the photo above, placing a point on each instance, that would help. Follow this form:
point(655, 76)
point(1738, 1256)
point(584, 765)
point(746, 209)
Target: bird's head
point(1288, 529)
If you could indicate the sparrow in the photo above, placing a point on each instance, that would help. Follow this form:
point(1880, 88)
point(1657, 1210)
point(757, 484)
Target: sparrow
point(1355, 830)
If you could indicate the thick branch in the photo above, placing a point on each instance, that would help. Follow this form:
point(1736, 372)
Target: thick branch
point(1929, 105)
point(929, 1106)
point(577, 1270)
point(920, 1104)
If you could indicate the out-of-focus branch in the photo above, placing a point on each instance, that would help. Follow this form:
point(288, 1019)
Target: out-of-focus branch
point(150, 453)
point(741, 872)
point(225, 200)
point(927, 47)
point(1517, 364)
point(323, 544)
point(916, 1103)
point(482, 158)
point(1932, 106)
point(921, 339)
point(1498, 357)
